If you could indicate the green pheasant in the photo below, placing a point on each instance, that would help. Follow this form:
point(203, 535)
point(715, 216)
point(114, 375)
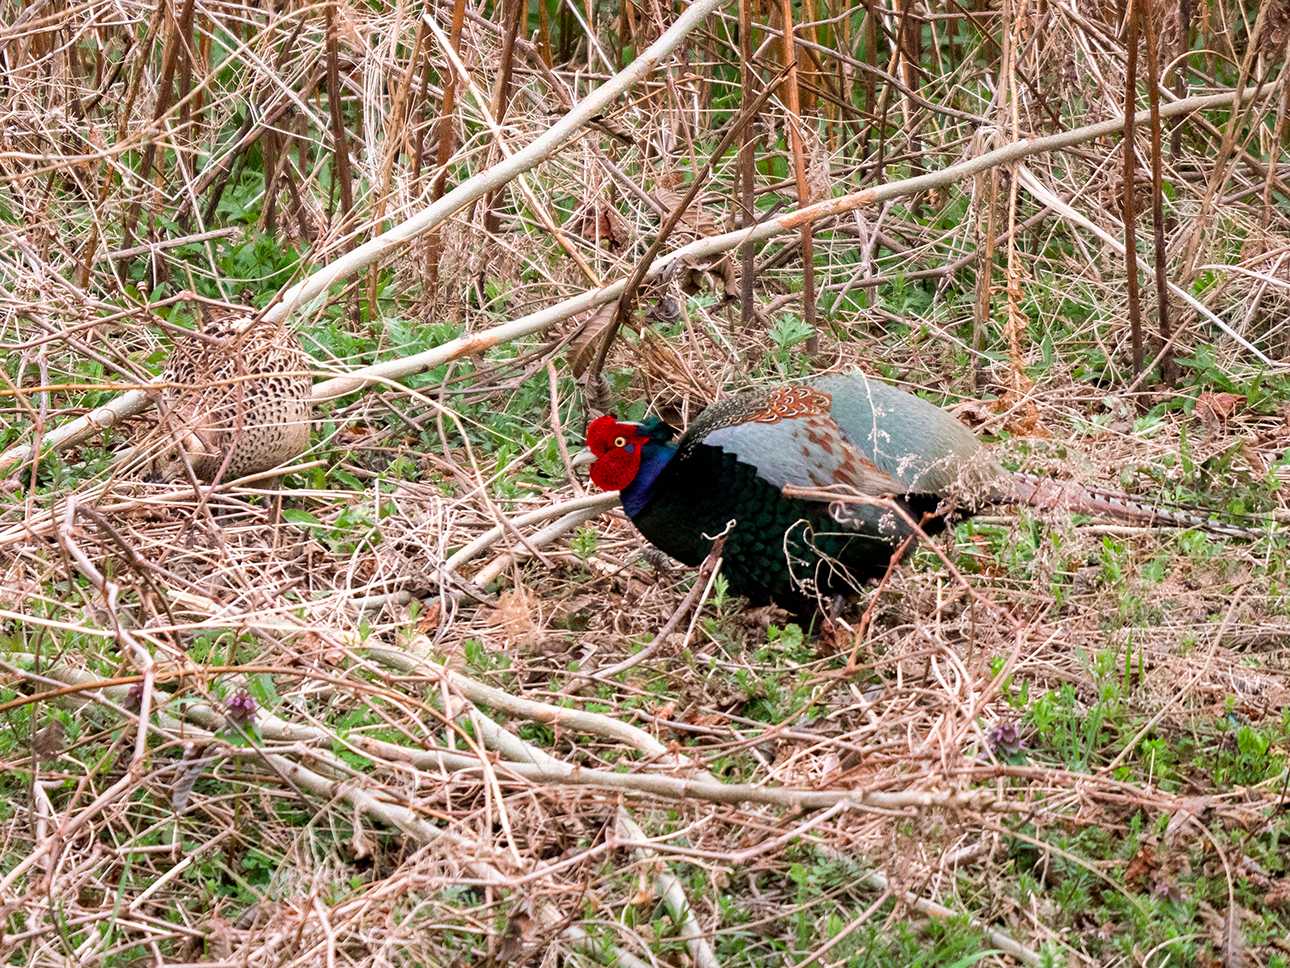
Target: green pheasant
point(883, 464)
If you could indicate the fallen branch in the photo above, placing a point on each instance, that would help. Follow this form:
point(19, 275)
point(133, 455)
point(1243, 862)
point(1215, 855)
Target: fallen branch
point(130, 646)
point(334, 785)
point(535, 152)
point(673, 895)
point(522, 760)
point(152, 248)
point(412, 661)
point(544, 319)
point(1004, 942)
point(551, 770)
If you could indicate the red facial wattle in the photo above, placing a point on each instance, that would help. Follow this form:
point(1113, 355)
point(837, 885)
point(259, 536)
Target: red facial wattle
point(618, 448)
point(601, 433)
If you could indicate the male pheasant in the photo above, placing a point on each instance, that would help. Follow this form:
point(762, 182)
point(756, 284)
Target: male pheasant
point(844, 433)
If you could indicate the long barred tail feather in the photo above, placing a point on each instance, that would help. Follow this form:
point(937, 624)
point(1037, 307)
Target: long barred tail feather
point(1045, 493)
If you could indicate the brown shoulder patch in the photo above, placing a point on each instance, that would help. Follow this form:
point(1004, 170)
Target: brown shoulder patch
point(785, 403)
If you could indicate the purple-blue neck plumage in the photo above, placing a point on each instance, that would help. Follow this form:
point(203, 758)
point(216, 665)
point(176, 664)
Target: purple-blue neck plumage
point(654, 458)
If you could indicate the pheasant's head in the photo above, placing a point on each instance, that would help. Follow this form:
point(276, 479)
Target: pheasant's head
point(614, 451)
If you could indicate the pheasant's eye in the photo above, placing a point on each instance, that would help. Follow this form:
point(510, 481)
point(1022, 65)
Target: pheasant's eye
point(620, 441)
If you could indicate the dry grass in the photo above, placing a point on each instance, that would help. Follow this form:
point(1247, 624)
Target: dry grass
point(438, 770)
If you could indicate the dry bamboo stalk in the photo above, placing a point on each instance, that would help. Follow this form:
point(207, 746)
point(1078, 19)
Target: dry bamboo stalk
point(787, 222)
point(1129, 174)
point(1167, 367)
point(435, 214)
point(512, 12)
point(445, 132)
point(398, 121)
point(793, 100)
point(499, 137)
point(165, 94)
point(747, 168)
point(340, 144)
point(475, 188)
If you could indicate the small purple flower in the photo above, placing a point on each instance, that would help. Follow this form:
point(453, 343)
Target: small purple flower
point(1006, 738)
point(240, 708)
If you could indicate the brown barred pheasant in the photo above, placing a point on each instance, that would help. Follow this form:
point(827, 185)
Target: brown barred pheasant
point(235, 400)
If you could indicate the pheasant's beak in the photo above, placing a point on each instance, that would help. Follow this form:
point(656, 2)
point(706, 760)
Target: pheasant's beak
point(583, 458)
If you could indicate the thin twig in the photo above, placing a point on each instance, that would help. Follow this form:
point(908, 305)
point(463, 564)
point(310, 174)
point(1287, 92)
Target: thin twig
point(693, 600)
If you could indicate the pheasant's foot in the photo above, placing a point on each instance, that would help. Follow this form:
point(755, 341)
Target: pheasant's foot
point(275, 503)
point(859, 635)
point(658, 560)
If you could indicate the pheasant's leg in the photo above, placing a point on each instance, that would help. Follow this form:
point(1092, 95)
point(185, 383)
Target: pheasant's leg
point(275, 507)
point(830, 628)
point(860, 634)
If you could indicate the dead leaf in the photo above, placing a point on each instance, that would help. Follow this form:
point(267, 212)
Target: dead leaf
point(1141, 867)
point(352, 432)
point(671, 380)
point(47, 743)
point(666, 308)
point(696, 222)
point(519, 931)
point(1157, 870)
point(830, 640)
point(584, 347)
point(670, 179)
point(1189, 813)
point(974, 413)
point(429, 619)
point(1215, 409)
point(360, 844)
point(1022, 417)
point(707, 719)
point(600, 223)
point(219, 938)
point(1254, 459)
point(1278, 895)
point(666, 711)
point(697, 273)
point(516, 614)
